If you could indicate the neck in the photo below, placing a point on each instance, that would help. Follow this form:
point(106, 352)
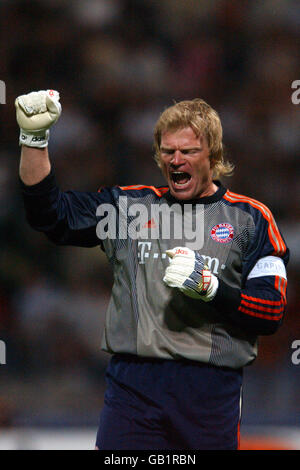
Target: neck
point(209, 189)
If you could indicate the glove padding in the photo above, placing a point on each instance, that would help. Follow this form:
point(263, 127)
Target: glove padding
point(190, 275)
point(36, 112)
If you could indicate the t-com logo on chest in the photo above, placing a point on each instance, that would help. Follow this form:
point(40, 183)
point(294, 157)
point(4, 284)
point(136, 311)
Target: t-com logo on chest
point(222, 233)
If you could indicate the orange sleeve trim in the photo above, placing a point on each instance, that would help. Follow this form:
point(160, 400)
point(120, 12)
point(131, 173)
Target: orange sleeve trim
point(281, 285)
point(276, 311)
point(158, 191)
point(260, 315)
point(273, 232)
point(263, 301)
point(284, 291)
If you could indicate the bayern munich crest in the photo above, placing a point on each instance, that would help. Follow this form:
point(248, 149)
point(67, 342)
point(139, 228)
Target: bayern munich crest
point(222, 233)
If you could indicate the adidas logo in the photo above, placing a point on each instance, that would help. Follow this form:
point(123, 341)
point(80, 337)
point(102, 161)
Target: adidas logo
point(150, 224)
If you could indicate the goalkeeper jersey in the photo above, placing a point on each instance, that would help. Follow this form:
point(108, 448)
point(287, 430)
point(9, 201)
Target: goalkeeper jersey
point(239, 240)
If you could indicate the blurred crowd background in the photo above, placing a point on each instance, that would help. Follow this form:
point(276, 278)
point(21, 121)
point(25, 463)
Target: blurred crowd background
point(117, 65)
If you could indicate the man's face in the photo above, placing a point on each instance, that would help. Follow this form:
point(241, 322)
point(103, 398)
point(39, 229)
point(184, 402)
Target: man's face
point(185, 163)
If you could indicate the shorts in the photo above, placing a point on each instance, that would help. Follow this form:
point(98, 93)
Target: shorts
point(154, 404)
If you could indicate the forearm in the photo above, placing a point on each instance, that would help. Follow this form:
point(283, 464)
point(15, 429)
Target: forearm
point(257, 308)
point(34, 165)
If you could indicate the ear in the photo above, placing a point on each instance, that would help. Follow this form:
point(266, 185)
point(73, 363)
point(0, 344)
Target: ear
point(212, 161)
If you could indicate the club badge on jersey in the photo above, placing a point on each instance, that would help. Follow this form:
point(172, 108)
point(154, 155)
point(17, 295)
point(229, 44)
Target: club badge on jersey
point(222, 233)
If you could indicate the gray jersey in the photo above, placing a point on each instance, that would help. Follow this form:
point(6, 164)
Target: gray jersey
point(237, 236)
point(148, 318)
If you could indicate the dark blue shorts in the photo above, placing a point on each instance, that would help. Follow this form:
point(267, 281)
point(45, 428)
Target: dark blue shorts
point(153, 404)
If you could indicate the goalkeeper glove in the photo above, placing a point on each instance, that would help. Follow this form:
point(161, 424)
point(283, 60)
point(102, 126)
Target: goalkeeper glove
point(36, 112)
point(190, 275)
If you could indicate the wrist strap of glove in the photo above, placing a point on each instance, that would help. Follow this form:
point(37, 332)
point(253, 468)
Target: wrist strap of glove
point(39, 139)
point(212, 289)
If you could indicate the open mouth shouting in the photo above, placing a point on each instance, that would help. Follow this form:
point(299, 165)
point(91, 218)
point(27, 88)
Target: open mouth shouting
point(185, 163)
point(180, 179)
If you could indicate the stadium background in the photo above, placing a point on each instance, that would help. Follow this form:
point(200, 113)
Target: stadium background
point(117, 64)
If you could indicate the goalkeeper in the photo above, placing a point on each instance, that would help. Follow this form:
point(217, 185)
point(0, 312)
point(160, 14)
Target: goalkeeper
point(182, 322)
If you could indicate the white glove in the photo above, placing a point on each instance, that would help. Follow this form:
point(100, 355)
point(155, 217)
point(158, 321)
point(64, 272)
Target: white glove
point(36, 112)
point(188, 273)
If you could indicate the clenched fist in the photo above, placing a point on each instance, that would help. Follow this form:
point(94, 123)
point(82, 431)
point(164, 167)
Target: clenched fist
point(190, 275)
point(36, 112)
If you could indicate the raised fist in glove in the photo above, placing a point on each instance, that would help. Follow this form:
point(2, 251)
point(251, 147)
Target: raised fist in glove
point(188, 273)
point(36, 112)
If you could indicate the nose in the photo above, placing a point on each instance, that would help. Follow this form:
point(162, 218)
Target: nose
point(178, 158)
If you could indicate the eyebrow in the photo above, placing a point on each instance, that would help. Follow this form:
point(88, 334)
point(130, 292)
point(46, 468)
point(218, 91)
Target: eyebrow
point(184, 148)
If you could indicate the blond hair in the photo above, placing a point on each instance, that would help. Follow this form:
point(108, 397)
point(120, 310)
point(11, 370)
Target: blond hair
point(203, 119)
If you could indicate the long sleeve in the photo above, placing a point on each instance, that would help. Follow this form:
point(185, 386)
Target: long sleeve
point(259, 305)
point(67, 218)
